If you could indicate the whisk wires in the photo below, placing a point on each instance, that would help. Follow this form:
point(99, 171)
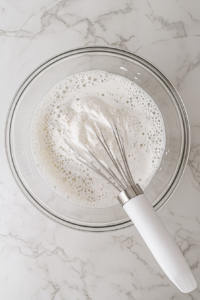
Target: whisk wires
point(124, 172)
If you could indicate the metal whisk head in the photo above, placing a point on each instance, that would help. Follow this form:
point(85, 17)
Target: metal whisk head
point(123, 179)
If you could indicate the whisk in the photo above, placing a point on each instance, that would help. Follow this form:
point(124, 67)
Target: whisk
point(140, 211)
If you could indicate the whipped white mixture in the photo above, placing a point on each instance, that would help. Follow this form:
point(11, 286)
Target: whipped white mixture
point(68, 114)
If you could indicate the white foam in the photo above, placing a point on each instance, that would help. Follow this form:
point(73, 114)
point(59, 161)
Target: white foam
point(70, 110)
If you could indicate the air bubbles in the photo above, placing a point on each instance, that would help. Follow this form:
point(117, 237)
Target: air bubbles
point(70, 109)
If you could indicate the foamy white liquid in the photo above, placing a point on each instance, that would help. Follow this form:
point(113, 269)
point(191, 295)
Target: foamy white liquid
point(68, 113)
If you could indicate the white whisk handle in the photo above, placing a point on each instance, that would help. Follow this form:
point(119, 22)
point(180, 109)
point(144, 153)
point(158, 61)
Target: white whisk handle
point(160, 243)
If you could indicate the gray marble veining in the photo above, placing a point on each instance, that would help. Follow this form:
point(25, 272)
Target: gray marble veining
point(41, 259)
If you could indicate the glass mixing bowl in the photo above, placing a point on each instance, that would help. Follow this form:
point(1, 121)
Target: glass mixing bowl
point(112, 60)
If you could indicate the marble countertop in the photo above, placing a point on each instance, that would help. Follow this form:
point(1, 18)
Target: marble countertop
point(43, 260)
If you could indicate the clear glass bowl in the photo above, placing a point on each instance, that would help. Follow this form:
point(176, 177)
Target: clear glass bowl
point(112, 60)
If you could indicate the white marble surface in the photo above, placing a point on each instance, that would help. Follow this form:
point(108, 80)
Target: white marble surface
point(42, 260)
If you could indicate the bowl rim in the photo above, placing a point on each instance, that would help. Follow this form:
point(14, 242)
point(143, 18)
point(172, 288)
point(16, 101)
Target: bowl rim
point(112, 50)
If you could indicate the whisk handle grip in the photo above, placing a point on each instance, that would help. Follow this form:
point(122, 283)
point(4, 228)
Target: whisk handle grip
point(160, 243)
